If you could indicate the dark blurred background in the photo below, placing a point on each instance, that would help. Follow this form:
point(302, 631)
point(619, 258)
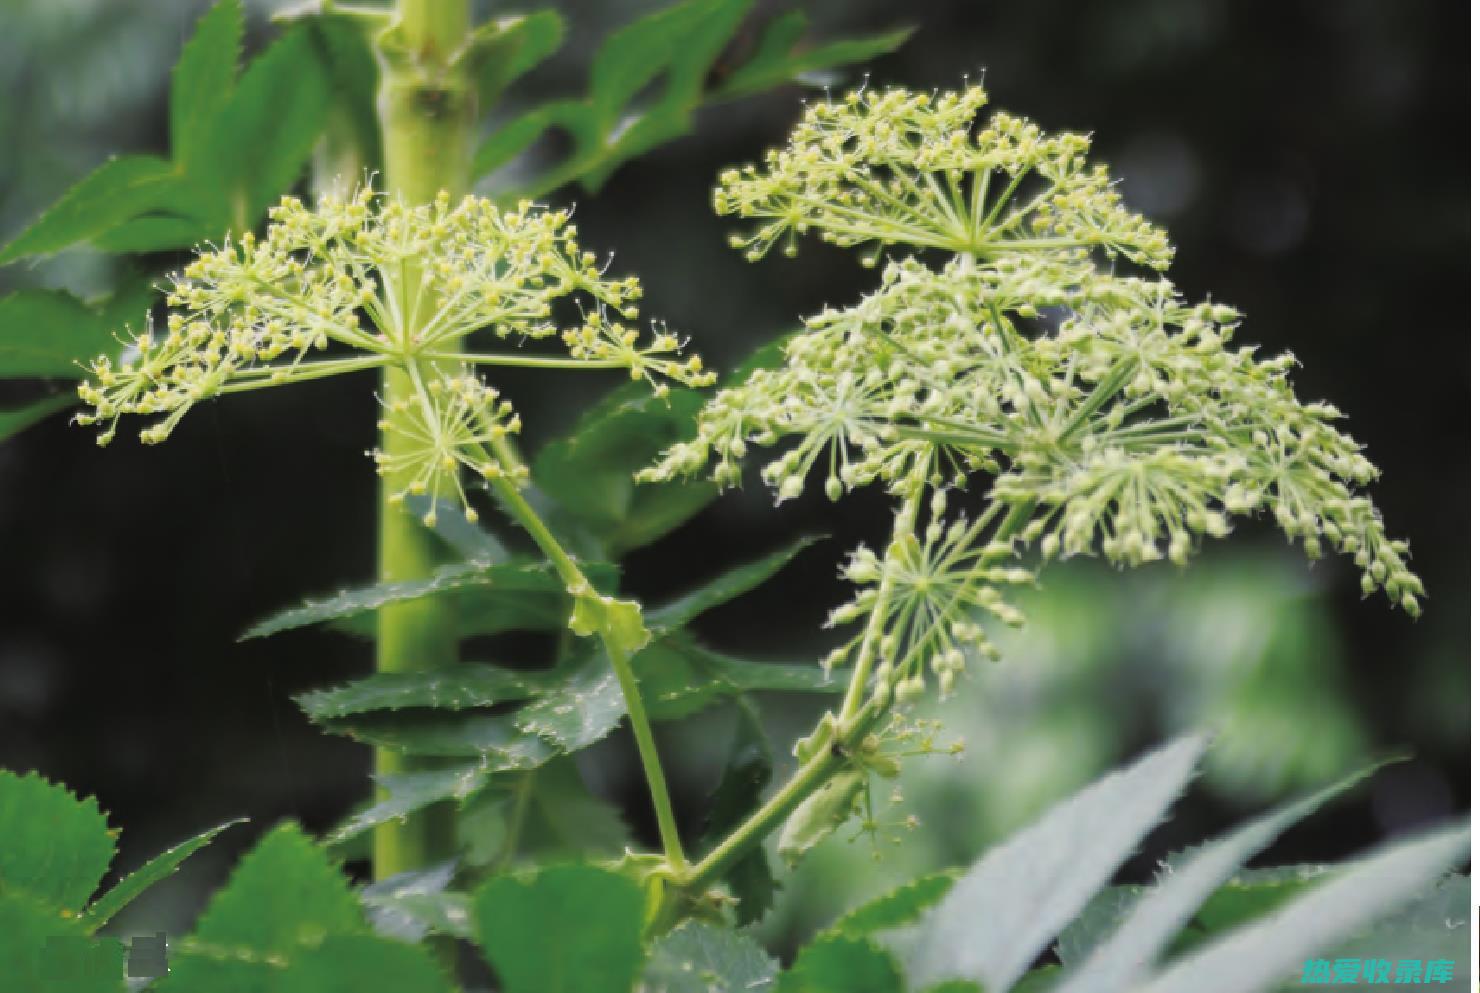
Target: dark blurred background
point(1309, 160)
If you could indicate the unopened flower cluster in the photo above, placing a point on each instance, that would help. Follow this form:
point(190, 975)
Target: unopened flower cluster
point(366, 282)
point(1110, 415)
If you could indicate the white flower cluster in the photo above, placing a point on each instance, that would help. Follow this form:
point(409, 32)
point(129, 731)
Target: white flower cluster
point(1114, 417)
point(367, 282)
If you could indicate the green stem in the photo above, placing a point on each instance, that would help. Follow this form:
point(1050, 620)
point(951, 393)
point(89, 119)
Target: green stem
point(852, 727)
point(904, 524)
point(427, 110)
point(621, 663)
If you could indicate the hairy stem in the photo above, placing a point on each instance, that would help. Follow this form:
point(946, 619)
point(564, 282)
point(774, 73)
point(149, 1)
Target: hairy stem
point(426, 112)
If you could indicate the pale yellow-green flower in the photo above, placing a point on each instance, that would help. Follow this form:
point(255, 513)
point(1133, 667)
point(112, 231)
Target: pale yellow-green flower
point(1011, 341)
point(366, 282)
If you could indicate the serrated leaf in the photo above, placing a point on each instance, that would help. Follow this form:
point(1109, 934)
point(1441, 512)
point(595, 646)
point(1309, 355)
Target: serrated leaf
point(344, 48)
point(508, 576)
point(582, 708)
point(839, 964)
point(1095, 922)
point(1257, 956)
point(435, 913)
point(52, 333)
point(402, 794)
point(1031, 886)
point(44, 951)
point(17, 420)
point(725, 587)
point(363, 964)
point(640, 52)
point(467, 539)
point(748, 770)
point(386, 900)
point(117, 190)
point(135, 884)
point(203, 78)
point(261, 140)
point(589, 473)
point(514, 137)
point(1436, 926)
point(672, 52)
point(775, 63)
point(545, 814)
point(496, 741)
point(575, 708)
point(1125, 960)
point(47, 333)
point(285, 893)
point(564, 818)
point(700, 958)
point(744, 676)
point(503, 50)
point(517, 921)
point(897, 908)
point(54, 847)
point(468, 684)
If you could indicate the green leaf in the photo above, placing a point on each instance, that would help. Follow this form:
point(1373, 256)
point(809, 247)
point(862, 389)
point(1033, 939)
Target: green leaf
point(384, 900)
point(285, 893)
point(897, 908)
point(589, 473)
point(528, 928)
point(1251, 895)
point(724, 588)
point(747, 771)
point(837, 964)
point(116, 191)
point(406, 793)
point(522, 577)
point(262, 138)
point(44, 951)
point(553, 815)
point(701, 958)
point(640, 52)
point(17, 420)
point(1255, 957)
point(1124, 961)
point(1036, 882)
point(772, 65)
point(469, 684)
point(157, 869)
point(435, 913)
point(579, 710)
point(564, 818)
point(575, 708)
point(467, 539)
point(344, 49)
point(517, 135)
point(496, 740)
point(767, 63)
point(673, 52)
point(503, 50)
point(54, 847)
point(1436, 926)
point(364, 964)
point(203, 79)
point(805, 677)
point(50, 333)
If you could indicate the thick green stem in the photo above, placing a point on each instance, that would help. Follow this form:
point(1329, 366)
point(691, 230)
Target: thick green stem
point(427, 113)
